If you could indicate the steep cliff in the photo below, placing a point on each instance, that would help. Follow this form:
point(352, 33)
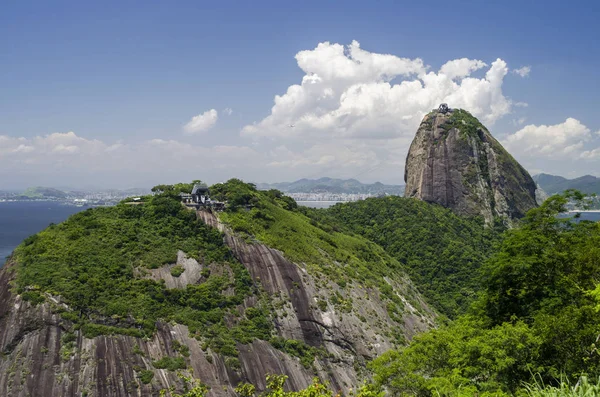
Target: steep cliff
point(454, 161)
point(115, 302)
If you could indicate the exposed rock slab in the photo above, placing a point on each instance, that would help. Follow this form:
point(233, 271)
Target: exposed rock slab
point(192, 272)
point(358, 333)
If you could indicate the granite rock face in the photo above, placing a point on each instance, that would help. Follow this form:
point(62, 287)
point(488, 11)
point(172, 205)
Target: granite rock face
point(454, 161)
point(37, 361)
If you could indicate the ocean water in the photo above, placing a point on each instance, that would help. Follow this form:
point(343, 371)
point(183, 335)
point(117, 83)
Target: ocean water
point(21, 219)
point(588, 215)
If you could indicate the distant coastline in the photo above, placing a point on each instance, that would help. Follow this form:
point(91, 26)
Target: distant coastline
point(74, 203)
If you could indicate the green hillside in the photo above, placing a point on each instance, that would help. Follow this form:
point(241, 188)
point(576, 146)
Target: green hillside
point(522, 303)
point(96, 262)
point(442, 252)
point(277, 221)
point(94, 259)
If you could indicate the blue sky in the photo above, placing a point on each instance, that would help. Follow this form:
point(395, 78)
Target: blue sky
point(126, 78)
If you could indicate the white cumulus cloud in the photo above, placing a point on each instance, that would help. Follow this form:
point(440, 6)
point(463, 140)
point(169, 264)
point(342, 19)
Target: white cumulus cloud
point(569, 148)
point(351, 93)
point(523, 71)
point(228, 111)
point(459, 68)
point(202, 122)
point(564, 139)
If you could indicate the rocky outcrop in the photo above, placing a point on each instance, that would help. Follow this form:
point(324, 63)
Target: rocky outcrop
point(42, 356)
point(454, 161)
point(191, 272)
point(341, 333)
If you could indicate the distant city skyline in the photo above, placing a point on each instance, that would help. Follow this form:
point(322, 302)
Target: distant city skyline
point(99, 95)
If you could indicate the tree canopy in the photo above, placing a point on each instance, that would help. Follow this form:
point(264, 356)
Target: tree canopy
point(537, 314)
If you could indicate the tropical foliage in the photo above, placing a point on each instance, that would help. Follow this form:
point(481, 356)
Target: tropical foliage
point(525, 303)
point(442, 252)
point(537, 315)
point(323, 247)
point(96, 262)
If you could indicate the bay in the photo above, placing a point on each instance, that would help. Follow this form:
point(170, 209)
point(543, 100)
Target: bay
point(21, 219)
point(593, 216)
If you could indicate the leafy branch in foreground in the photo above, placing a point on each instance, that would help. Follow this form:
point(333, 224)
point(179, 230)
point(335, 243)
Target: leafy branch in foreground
point(583, 388)
point(316, 389)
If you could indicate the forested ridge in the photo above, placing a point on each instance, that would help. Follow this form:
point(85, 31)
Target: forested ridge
point(443, 252)
point(522, 305)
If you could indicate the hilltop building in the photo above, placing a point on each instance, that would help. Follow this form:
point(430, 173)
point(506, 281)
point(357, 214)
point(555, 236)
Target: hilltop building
point(199, 197)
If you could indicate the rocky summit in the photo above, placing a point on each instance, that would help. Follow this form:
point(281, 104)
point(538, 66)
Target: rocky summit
point(454, 161)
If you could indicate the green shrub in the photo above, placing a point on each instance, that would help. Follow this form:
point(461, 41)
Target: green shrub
point(177, 270)
point(170, 363)
point(297, 348)
point(146, 376)
point(34, 297)
point(182, 349)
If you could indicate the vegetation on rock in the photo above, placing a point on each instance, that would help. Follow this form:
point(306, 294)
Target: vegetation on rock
point(93, 260)
point(276, 220)
point(442, 252)
point(524, 301)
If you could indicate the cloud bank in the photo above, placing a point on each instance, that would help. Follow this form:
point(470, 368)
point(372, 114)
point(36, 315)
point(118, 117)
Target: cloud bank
point(61, 159)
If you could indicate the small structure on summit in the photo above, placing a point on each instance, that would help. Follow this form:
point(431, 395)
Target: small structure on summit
point(186, 198)
point(200, 194)
point(199, 197)
point(444, 108)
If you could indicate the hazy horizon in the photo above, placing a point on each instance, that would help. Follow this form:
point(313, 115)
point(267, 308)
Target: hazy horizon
point(127, 187)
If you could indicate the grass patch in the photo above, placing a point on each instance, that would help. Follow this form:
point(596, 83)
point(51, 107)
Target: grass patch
point(583, 388)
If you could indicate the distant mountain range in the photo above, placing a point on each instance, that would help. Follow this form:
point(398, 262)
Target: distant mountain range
point(332, 185)
point(555, 184)
point(43, 192)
